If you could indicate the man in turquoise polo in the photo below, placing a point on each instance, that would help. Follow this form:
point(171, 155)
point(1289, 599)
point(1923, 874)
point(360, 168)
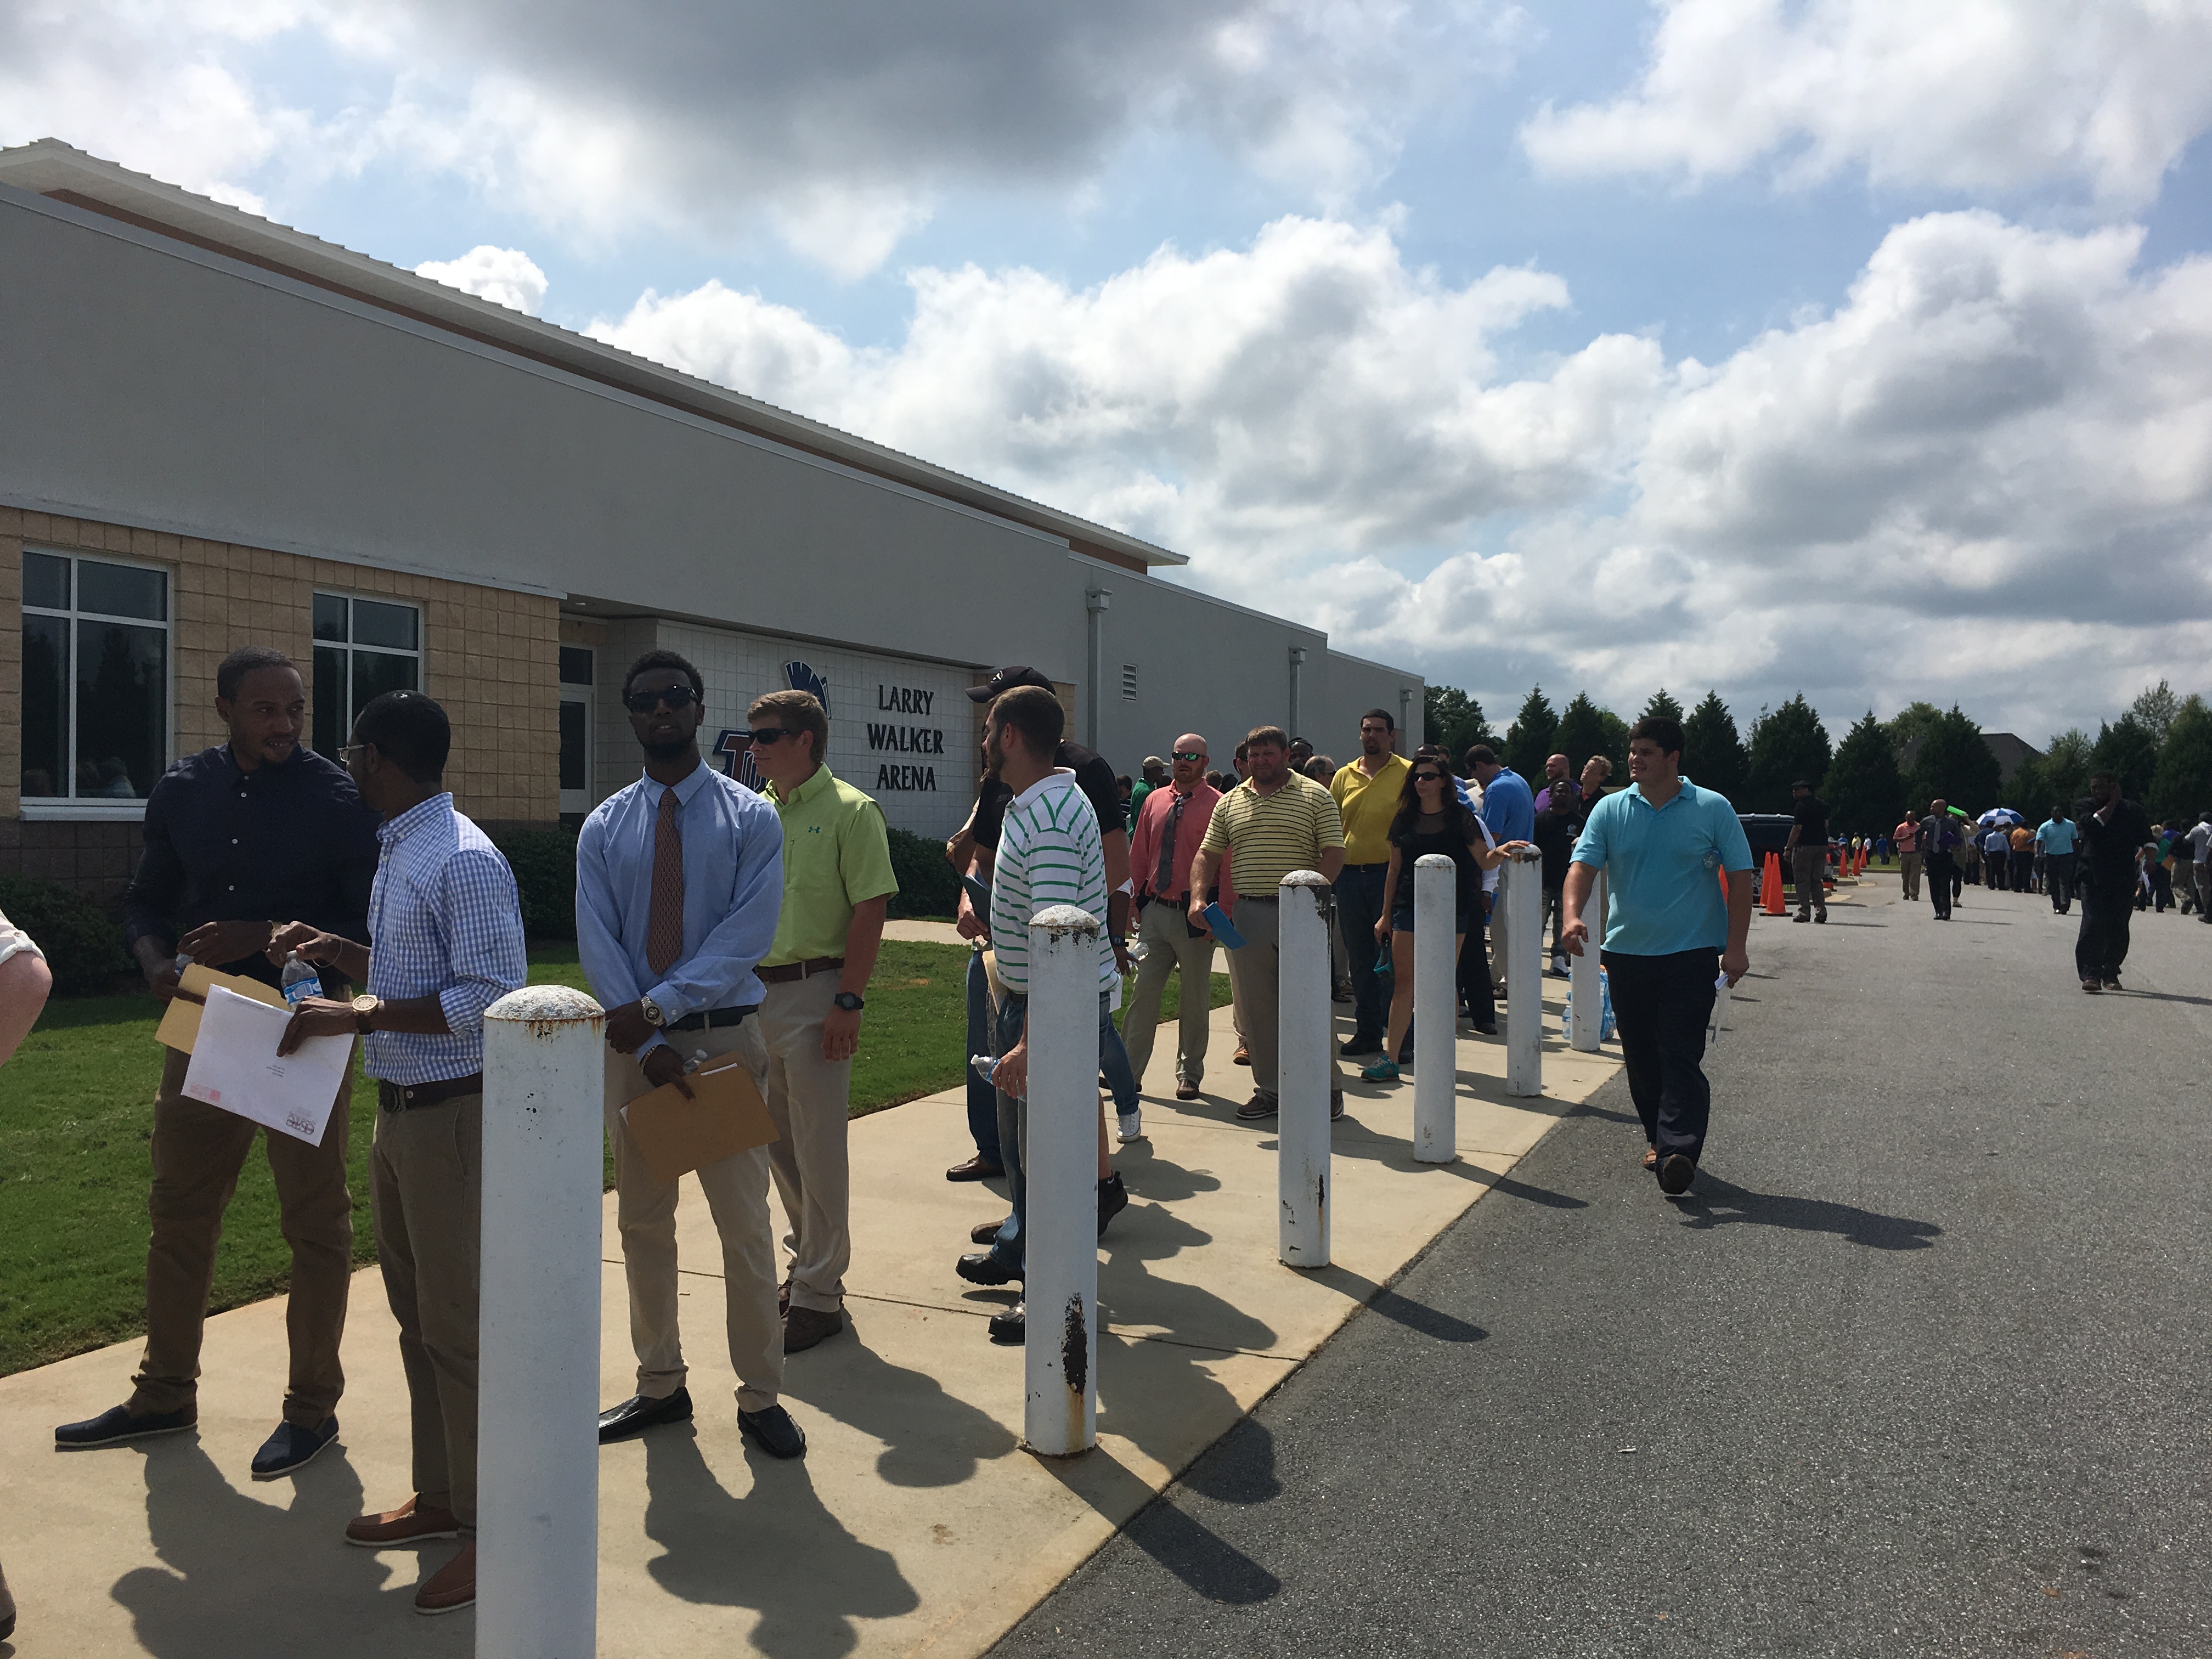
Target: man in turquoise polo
point(1670, 937)
point(837, 884)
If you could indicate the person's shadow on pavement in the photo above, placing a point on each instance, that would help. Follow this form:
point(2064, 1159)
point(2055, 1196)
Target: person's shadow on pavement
point(232, 1560)
point(1713, 1202)
point(932, 1438)
point(776, 1549)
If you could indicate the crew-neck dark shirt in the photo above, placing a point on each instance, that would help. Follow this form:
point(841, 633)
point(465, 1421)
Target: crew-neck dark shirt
point(289, 842)
point(2108, 850)
point(1447, 837)
point(1092, 776)
point(1557, 826)
point(1811, 818)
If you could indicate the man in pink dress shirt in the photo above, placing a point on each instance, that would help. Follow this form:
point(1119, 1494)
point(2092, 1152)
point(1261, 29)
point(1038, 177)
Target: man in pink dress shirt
point(1170, 826)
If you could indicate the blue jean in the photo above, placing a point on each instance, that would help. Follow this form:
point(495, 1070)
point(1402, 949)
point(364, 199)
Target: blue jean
point(1113, 1061)
point(982, 1099)
point(1358, 908)
point(1013, 1126)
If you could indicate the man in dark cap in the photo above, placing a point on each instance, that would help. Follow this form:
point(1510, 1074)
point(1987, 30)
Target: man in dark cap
point(1807, 847)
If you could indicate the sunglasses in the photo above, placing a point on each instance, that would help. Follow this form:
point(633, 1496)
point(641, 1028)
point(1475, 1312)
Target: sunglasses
point(1189, 754)
point(1428, 777)
point(766, 735)
point(676, 696)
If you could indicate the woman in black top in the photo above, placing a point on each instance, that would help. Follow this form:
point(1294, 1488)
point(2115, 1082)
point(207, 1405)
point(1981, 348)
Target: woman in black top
point(1430, 819)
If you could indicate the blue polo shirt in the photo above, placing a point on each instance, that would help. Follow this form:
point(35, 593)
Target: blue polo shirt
point(1508, 807)
point(1661, 865)
point(2056, 836)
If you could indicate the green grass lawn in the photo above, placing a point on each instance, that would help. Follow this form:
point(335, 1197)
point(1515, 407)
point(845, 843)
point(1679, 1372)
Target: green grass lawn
point(76, 1114)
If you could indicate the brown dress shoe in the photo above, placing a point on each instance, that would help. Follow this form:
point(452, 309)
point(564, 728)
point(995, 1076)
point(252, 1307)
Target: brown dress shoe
point(1242, 1056)
point(783, 1299)
point(408, 1524)
point(804, 1327)
point(1186, 1092)
point(452, 1586)
point(986, 1232)
point(974, 1170)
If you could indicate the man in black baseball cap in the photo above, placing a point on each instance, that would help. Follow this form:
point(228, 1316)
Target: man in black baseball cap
point(1006, 680)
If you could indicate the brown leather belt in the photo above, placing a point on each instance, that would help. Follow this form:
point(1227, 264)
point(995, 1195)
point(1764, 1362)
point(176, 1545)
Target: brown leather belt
point(792, 970)
point(413, 1097)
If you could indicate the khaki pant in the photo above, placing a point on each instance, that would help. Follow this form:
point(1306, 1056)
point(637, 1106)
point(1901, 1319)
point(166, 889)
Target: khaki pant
point(1164, 932)
point(1256, 975)
point(426, 1194)
point(811, 1099)
point(1908, 865)
point(1807, 865)
point(644, 1214)
point(198, 1151)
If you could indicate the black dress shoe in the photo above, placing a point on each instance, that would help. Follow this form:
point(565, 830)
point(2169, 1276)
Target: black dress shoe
point(638, 1413)
point(116, 1427)
point(1355, 1045)
point(773, 1431)
point(1113, 1199)
point(974, 1170)
point(984, 1268)
point(1012, 1325)
point(1675, 1175)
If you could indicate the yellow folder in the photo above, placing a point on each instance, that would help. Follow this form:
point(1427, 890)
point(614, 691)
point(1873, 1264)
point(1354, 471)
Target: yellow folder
point(725, 1115)
point(180, 1026)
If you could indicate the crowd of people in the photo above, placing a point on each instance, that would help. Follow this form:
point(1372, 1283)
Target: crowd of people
point(715, 921)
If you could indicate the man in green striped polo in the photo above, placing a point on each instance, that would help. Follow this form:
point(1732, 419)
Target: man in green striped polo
point(1273, 823)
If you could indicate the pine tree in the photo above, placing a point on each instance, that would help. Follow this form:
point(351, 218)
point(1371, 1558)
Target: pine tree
point(1712, 753)
point(1454, 722)
point(1864, 790)
point(1585, 730)
point(2181, 787)
point(2156, 708)
point(2064, 768)
point(1661, 703)
point(2127, 750)
point(1787, 743)
point(1528, 740)
point(1952, 761)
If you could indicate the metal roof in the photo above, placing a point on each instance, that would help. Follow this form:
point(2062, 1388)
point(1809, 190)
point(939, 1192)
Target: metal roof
point(51, 168)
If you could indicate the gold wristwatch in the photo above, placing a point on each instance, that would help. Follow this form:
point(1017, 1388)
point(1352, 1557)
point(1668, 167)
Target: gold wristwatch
point(364, 1010)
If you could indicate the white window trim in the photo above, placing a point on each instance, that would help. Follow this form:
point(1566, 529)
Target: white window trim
point(317, 643)
point(50, 809)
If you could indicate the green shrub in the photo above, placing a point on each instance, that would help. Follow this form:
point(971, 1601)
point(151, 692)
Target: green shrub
point(928, 890)
point(83, 946)
point(544, 865)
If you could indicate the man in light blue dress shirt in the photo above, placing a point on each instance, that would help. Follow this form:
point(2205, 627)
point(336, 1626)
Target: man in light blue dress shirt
point(679, 881)
point(445, 931)
point(1671, 933)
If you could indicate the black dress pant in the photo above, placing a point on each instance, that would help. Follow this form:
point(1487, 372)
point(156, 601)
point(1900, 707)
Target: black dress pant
point(2102, 944)
point(1660, 1006)
point(1942, 881)
point(2058, 880)
point(1476, 988)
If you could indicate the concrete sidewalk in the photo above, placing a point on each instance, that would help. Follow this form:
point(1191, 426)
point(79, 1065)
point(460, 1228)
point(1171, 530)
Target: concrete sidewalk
point(914, 1524)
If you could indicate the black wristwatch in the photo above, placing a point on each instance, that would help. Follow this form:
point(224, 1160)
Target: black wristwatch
point(850, 1001)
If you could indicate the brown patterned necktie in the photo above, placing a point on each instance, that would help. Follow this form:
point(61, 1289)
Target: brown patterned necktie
point(664, 926)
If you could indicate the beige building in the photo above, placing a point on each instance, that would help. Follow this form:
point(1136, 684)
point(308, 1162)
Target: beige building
point(221, 432)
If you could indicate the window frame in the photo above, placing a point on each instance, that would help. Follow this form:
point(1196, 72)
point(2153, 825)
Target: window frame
point(577, 803)
point(348, 647)
point(60, 808)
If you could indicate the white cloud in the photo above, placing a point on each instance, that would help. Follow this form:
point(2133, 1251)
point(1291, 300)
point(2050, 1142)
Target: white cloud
point(1987, 476)
point(1970, 95)
point(504, 276)
point(838, 126)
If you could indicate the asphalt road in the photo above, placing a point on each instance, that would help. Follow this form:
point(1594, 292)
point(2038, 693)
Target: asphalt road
point(1919, 1367)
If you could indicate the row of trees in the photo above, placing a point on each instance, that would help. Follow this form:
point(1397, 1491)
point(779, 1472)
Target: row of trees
point(2160, 749)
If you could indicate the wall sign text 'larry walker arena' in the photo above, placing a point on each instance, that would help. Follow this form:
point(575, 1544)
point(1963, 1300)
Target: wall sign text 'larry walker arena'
point(905, 739)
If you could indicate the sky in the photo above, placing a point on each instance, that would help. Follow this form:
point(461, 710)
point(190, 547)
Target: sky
point(1859, 348)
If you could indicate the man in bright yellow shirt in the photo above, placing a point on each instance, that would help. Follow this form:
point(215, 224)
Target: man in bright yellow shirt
point(1367, 794)
point(837, 884)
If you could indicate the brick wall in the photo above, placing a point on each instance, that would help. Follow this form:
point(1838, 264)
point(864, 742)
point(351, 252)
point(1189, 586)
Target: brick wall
point(489, 656)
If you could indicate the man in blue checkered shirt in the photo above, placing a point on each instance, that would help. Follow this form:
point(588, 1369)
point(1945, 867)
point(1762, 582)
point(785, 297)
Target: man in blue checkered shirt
point(445, 930)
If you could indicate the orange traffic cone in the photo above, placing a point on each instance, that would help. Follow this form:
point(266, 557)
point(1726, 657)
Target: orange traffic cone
point(1770, 885)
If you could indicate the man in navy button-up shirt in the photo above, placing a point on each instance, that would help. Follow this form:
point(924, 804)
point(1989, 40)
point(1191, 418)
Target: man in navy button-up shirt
point(258, 830)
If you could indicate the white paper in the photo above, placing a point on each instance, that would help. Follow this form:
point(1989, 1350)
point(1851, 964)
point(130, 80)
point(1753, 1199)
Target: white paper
point(235, 1067)
point(1720, 989)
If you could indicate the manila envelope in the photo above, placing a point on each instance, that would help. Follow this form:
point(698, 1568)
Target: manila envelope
point(180, 1026)
point(726, 1115)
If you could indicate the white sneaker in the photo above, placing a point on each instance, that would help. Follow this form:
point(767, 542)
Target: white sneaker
point(1128, 1125)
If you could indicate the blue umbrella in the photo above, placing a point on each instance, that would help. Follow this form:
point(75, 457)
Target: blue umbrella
point(2001, 815)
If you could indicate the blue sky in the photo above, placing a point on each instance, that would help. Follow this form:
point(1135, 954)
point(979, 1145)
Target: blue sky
point(1862, 349)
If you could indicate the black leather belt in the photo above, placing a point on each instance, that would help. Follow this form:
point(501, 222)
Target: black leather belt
point(1385, 864)
point(413, 1097)
point(711, 1019)
point(1258, 898)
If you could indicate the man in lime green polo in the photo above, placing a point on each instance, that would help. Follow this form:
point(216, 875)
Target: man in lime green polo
point(837, 884)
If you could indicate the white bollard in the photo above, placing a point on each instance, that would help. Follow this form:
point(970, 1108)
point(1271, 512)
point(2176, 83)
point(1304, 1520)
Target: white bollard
point(1303, 1071)
point(1583, 981)
point(1435, 1126)
point(1059, 1159)
point(1524, 974)
point(537, 1449)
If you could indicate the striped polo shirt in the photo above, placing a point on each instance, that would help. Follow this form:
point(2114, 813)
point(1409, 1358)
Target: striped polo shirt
point(1273, 834)
point(1049, 854)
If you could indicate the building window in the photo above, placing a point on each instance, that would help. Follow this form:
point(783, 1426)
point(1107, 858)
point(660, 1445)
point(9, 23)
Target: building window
point(363, 648)
point(95, 678)
point(576, 666)
point(1129, 682)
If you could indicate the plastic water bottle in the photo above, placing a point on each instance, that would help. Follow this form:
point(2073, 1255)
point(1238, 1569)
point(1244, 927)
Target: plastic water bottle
point(300, 979)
